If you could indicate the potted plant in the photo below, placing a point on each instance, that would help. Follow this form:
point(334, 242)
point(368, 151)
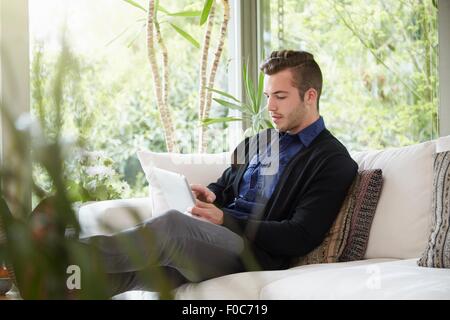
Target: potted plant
point(252, 107)
point(5, 280)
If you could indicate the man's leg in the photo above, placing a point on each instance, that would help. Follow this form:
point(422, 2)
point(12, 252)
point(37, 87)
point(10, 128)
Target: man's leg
point(185, 247)
point(139, 280)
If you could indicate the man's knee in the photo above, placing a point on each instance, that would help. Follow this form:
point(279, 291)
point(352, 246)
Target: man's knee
point(172, 214)
point(173, 217)
point(170, 222)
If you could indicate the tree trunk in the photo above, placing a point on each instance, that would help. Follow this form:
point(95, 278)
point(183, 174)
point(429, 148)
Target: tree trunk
point(203, 144)
point(203, 71)
point(165, 55)
point(169, 132)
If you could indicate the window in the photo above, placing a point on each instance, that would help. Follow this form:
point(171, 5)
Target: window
point(378, 59)
point(108, 96)
point(379, 65)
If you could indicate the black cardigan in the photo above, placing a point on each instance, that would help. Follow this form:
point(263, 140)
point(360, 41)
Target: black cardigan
point(302, 208)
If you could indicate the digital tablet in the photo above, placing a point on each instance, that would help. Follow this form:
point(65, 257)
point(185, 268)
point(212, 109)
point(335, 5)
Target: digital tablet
point(176, 189)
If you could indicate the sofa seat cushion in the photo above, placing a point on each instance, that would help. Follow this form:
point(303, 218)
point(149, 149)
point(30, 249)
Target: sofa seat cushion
point(401, 279)
point(111, 216)
point(248, 285)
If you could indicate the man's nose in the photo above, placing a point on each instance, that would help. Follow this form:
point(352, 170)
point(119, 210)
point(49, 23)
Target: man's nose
point(271, 106)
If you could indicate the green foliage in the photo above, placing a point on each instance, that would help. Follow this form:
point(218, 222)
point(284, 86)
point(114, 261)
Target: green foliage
point(380, 84)
point(95, 179)
point(379, 62)
point(187, 13)
point(252, 108)
point(36, 244)
point(90, 175)
point(186, 35)
point(205, 12)
point(135, 4)
point(107, 102)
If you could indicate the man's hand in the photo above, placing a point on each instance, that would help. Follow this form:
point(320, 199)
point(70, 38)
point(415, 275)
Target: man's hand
point(203, 193)
point(207, 211)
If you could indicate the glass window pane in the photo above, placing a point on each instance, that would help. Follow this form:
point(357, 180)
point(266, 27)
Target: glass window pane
point(378, 59)
point(108, 97)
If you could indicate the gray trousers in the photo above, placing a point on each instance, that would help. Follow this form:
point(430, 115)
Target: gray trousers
point(173, 246)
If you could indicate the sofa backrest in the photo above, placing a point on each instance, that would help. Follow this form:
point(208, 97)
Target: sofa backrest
point(402, 219)
point(198, 168)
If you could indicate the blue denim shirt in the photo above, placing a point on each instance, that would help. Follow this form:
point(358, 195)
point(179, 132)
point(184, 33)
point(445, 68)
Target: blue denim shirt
point(256, 188)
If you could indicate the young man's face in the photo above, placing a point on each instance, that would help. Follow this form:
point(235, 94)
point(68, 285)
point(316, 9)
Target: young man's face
point(286, 109)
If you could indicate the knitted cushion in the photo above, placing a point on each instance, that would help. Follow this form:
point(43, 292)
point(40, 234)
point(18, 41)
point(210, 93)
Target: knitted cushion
point(366, 200)
point(437, 252)
point(348, 236)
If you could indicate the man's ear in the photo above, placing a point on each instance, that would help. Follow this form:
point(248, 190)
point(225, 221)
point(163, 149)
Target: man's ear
point(311, 96)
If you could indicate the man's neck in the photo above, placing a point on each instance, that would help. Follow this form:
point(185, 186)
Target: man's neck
point(305, 124)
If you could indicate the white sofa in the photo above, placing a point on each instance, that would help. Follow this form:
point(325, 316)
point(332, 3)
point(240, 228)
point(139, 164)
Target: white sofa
point(398, 237)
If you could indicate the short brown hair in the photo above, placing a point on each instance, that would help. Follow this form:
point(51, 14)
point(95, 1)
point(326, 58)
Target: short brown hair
point(305, 71)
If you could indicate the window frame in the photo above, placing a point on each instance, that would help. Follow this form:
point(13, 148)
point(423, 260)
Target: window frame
point(443, 61)
point(443, 65)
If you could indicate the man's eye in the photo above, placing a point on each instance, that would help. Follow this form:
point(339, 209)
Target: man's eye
point(281, 98)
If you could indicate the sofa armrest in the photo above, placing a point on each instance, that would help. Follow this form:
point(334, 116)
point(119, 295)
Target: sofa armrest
point(111, 216)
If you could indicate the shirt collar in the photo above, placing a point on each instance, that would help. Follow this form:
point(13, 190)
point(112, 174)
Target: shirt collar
point(308, 134)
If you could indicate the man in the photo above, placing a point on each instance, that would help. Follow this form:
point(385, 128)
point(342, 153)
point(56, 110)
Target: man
point(258, 220)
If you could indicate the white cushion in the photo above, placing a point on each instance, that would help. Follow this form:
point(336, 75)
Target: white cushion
point(403, 217)
point(111, 216)
point(198, 169)
point(248, 285)
point(443, 144)
point(402, 279)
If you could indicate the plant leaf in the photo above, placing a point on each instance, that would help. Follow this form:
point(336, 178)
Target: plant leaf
point(186, 35)
point(189, 13)
point(249, 109)
point(209, 121)
point(119, 35)
point(249, 88)
point(223, 94)
point(136, 37)
point(260, 90)
point(162, 9)
point(249, 132)
point(268, 124)
point(228, 104)
point(135, 4)
point(205, 12)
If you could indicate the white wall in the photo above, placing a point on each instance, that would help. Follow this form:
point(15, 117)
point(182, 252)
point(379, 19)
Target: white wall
point(14, 86)
point(14, 57)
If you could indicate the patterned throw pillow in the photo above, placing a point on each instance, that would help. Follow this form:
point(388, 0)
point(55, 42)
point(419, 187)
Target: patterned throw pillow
point(437, 253)
point(348, 236)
